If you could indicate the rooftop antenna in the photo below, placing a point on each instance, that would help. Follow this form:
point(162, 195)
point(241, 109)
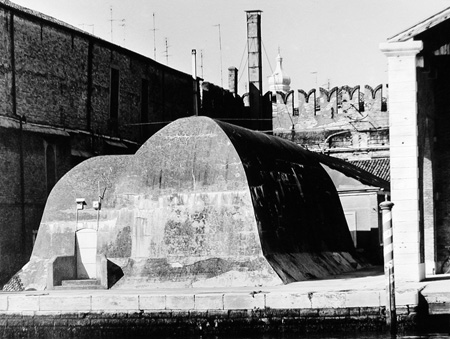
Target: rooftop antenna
point(112, 20)
point(111, 23)
point(220, 48)
point(124, 29)
point(154, 37)
point(166, 53)
point(201, 62)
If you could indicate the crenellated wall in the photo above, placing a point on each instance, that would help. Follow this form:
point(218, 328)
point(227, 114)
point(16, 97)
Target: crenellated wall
point(345, 120)
point(339, 107)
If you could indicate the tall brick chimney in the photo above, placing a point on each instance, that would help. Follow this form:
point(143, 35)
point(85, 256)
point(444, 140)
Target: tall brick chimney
point(233, 80)
point(254, 49)
point(254, 66)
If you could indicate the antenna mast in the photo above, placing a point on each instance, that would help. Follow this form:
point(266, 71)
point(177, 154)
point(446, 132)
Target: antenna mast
point(201, 62)
point(154, 37)
point(167, 52)
point(111, 23)
point(220, 48)
point(112, 20)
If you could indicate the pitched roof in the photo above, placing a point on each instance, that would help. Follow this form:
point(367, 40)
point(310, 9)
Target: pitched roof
point(421, 26)
point(352, 170)
point(378, 167)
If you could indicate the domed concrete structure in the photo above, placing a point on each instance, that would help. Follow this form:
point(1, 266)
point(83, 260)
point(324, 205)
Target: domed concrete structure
point(202, 203)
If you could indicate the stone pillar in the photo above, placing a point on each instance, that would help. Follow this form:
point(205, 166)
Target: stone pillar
point(409, 265)
point(428, 209)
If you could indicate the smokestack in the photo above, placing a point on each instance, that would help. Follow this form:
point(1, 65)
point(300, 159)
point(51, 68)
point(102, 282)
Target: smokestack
point(195, 84)
point(254, 49)
point(254, 67)
point(233, 80)
point(194, 64)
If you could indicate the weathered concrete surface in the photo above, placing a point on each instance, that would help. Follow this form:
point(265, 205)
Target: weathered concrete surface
point(202, 203)
point(437, 295)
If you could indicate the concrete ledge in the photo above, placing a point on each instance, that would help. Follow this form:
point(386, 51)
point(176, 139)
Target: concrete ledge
point(437, 296)
point(152, 302)
point(114, 302)
point(21, 303)
point(65, 303)
point(140, 301)
point(180, 302)
point(283, 300)
point(209, 301)
point(239, 301)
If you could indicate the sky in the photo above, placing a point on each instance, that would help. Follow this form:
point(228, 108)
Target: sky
point(322, 42)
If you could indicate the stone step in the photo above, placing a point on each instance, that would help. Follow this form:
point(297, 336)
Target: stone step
point(80, 284)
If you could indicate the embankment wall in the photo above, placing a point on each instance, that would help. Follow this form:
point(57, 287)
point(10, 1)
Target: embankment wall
point(67, 314)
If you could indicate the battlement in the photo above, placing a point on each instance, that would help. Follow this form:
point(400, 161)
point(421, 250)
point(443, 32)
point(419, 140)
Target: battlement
point(337, 108)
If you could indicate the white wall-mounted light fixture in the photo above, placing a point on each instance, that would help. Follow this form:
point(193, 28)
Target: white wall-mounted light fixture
point(81, 202)
point(97, 205)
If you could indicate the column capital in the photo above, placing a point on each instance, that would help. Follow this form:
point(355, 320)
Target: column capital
point(405, 48)
point(386, 205)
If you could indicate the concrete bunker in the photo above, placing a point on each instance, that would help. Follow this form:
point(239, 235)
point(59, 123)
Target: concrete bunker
point(202, 203)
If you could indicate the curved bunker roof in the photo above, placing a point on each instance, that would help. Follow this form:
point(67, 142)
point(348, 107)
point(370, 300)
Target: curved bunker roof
point(202, 203)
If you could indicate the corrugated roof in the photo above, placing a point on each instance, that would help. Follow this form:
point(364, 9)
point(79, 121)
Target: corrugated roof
point(422, 26)
point(378, 167)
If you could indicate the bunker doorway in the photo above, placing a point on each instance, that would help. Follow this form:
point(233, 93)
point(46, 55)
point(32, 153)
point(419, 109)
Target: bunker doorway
point(86, 251)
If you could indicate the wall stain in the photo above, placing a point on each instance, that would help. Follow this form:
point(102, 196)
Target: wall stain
point(121, 247)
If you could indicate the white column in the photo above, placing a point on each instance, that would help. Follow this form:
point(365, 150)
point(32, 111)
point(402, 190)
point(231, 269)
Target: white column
point(404, 157)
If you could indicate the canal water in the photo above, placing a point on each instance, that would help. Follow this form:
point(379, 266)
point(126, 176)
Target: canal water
point(304, 336)
point(327, 336)
point(293, 336)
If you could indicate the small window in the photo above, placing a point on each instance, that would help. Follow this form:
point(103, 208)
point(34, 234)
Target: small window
point(114, 100)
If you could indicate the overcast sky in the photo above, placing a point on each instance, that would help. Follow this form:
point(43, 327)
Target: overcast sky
point(332, 41)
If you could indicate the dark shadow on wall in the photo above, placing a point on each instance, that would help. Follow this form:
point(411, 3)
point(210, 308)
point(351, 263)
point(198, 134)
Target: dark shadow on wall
point(115, 273)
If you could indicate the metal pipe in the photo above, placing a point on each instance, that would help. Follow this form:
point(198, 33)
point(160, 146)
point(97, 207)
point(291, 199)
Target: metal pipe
point(195, 85)
point(194, 64)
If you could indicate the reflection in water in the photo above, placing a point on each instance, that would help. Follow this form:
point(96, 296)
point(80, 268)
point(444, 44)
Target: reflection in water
point(310, 336)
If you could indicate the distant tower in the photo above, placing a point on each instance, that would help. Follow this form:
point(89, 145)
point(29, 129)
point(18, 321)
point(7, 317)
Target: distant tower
point(279, 81)
point(254, 49)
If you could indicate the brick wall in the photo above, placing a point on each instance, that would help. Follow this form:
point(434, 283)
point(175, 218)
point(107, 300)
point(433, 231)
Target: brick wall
point(426, 127)
point(441, 158)
point(118, 316)
point(57, 79)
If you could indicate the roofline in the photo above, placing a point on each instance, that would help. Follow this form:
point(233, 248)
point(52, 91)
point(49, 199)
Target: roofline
point(351, 170)
point(51, 21)
point(420, 27)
